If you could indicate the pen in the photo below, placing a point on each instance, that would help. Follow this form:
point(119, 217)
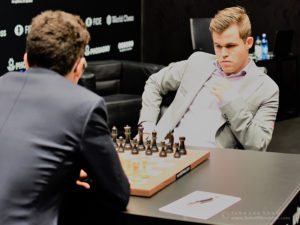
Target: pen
point(201, 201)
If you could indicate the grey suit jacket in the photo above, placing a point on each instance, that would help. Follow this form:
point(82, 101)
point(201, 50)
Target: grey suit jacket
point(249, 118)
point(49, 129)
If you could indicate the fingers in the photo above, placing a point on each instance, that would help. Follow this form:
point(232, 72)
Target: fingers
point(83, 174)
point(83, 184)
point(219, 87)
point(79, 182)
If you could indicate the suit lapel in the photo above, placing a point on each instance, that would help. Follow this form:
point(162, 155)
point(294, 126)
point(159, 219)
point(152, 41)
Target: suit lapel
point(251, 82)
point(194, 78)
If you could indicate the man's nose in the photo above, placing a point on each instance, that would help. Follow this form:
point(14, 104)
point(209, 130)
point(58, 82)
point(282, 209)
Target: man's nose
point(224, 52)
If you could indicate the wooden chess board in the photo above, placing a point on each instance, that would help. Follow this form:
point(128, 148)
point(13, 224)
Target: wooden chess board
point(149, 174)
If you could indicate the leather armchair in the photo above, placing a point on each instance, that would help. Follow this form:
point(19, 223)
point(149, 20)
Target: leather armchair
point(121, 83)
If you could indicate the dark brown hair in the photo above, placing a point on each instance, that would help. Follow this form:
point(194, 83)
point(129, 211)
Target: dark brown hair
point(56, 40)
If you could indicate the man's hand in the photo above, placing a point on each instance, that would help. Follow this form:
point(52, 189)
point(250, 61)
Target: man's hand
point(81, 183)
point(223, 90)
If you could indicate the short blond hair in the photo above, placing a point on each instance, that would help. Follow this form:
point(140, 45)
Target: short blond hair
point(229, 16)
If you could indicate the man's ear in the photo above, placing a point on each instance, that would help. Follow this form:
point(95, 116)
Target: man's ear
point(80, 68)
point(26, 61)
point(249, 42)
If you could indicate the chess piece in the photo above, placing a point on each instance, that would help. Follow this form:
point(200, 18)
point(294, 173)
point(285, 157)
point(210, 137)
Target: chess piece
point(170, 144)
point(134, 149)
point(121, 146)
point(148, 151)
point(177, 153)
point(163, 152)
point(169, 148)
point(114, 133)
point(141, 146)
point(154, 147)
point(128, 145)
point(182, 149)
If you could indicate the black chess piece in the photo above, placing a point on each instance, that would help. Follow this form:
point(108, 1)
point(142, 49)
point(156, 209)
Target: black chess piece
point(154, 147)
point(141, 146)
point(114, 133)
point(121, 145)
point(148, 151)
point(182, 149)
point(134, 149)
point(170, 144)
point(169, 148)
point(177, 153)
point(128, 145)
point(163, 152)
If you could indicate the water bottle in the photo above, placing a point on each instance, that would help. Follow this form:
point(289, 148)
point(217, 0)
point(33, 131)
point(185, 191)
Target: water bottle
point(264, 47)
point(257, 48)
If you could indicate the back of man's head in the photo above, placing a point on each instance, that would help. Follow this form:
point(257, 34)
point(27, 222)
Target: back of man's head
point(229, 16)
point(56, 40)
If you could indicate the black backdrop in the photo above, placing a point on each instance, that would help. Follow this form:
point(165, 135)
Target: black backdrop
point(114, 26)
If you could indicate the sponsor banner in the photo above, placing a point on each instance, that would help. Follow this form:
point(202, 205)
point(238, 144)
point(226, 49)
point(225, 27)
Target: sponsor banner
point(114, 28)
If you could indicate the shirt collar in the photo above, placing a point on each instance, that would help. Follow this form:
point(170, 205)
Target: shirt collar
point(243, 72)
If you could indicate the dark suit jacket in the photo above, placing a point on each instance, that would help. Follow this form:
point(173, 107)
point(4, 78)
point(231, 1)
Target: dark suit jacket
point(49, 129)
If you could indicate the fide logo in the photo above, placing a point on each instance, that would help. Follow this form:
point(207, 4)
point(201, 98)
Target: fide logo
point(88, 22)
point(20, 30)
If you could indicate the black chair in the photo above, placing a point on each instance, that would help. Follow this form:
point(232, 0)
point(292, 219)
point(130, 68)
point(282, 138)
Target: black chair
point(121, 84)
point(200, 35)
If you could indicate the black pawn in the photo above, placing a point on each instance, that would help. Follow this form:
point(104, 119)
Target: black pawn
point(177, 153)
point(169, 148)
point(182, 149)
point(148, 151)
point(163, 152)
point(154, 147)
point(121, 146)
point(134, 150)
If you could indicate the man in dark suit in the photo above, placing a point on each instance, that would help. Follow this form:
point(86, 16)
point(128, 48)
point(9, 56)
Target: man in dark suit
point(50, 128)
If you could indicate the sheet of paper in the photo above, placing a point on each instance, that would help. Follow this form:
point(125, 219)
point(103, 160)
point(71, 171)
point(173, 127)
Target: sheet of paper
point(200, 205)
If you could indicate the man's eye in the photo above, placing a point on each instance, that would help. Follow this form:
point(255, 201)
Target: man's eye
point(230, 46)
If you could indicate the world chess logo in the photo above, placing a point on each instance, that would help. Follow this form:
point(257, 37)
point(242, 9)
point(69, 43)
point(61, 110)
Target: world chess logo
point(108, 20)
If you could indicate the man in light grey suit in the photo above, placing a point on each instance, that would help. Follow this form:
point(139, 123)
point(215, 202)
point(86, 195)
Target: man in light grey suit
point(222, 100)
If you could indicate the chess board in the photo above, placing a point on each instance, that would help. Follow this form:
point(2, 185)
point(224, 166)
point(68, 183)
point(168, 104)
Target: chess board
point(148, 174)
